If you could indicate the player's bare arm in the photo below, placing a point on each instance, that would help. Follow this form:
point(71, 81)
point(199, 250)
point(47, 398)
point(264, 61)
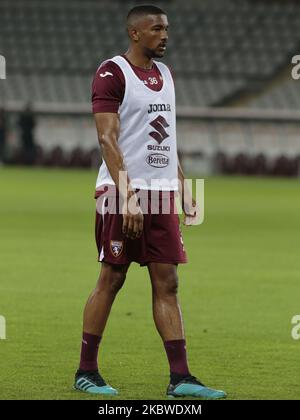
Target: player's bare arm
point(188, 203)
point(108, 129)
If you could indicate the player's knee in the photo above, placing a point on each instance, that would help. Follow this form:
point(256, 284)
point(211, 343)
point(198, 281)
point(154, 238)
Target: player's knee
point(117, 281)
point(111, 281)
point(167, 285)
point(172, 286)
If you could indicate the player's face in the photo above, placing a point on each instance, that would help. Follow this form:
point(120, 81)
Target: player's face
point(153, 35)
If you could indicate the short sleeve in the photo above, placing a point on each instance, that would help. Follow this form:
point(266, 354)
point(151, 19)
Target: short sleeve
point(108, 88)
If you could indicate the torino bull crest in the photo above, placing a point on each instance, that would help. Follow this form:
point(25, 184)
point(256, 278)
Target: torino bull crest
point(116, 248)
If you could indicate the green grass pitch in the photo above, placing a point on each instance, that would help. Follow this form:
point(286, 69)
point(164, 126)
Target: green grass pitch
point(238, 292)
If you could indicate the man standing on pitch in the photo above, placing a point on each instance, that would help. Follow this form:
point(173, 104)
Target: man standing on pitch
point(134, 110)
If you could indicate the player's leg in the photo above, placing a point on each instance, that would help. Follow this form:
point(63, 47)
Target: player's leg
point(99, 303)
point(166, 309)
point(167, 315)
point(96, 313)
point(169, 323)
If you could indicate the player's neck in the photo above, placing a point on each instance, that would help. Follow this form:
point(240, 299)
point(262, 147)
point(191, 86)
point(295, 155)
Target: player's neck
point(139, 60)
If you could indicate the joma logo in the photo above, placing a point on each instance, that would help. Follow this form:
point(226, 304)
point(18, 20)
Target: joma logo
point(159, 108)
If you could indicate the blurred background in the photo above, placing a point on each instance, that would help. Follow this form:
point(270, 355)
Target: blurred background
point(238, 105)
point(238, 110)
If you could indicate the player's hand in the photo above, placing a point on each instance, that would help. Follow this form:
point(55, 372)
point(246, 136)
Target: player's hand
point(133, 218)
point(191, 212)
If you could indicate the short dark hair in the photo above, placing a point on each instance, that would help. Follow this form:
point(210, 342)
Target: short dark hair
point(144, 10)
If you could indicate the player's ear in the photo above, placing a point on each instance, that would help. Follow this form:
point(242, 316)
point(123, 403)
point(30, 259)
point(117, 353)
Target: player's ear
point(134, 34)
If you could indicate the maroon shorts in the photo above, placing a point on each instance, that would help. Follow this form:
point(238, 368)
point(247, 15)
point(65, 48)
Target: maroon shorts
point(161, 240)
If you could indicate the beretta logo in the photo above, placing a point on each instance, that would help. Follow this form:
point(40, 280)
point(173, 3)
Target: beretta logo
point(157, 160)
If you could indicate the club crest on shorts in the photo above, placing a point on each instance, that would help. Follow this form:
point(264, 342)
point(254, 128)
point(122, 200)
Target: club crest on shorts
point(116, 248)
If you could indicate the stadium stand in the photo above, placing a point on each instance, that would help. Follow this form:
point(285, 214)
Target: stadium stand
point(216, 48)
point(219, 51)
point(285, 95)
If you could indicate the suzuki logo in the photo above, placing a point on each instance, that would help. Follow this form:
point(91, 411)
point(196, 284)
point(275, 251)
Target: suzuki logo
point(159, 124)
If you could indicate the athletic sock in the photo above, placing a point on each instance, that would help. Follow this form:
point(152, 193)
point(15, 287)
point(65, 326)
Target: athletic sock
point(176, 352)
point(89, 352)
point(175, 378)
